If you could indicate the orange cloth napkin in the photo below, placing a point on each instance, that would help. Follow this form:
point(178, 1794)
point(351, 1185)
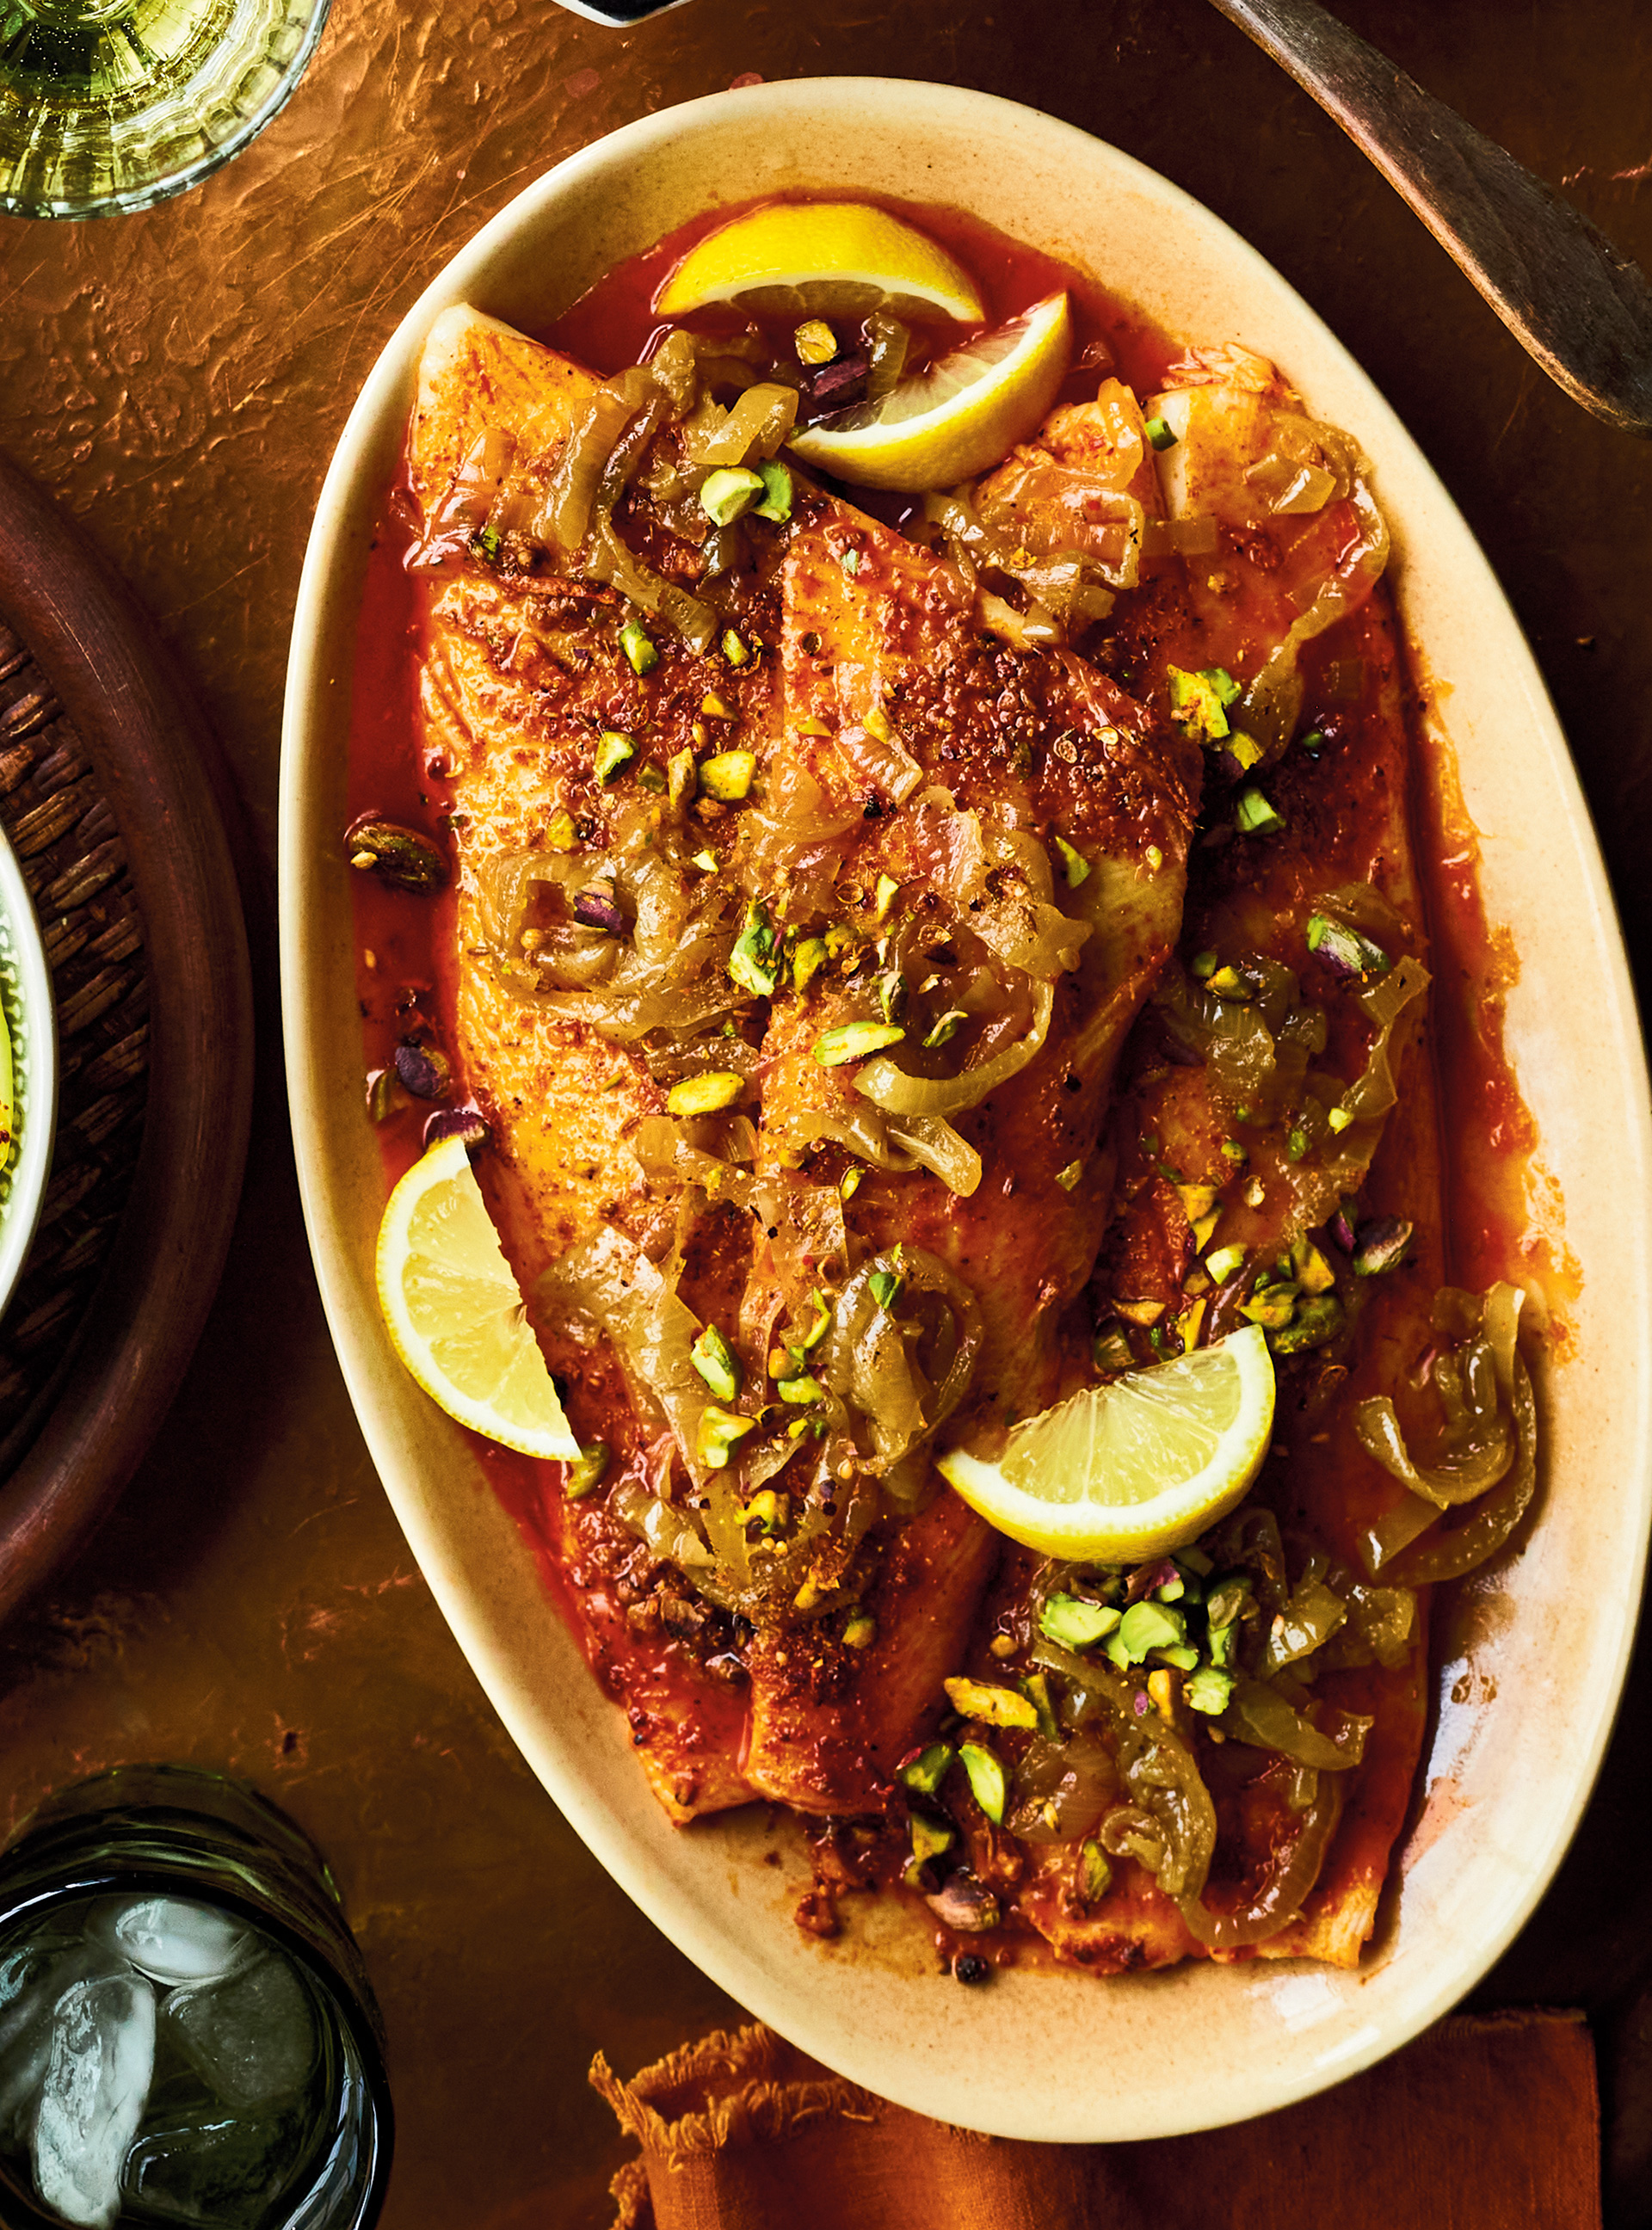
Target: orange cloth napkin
point(1480, 2124)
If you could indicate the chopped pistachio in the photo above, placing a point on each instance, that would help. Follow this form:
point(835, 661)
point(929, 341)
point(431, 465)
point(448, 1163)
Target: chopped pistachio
point(1208, 1689)
point(1222, 1264)
point(892, 995)
point(726, 494)
point(887, 890)
point(861, 1631)
point(1036, 1687)
point(886, 1287)
point(926, 1772)
point(754, 965)
point(1067, 1178)
point(764, 1510)
point(1224, 1641)
point(945, 1027)
point(1343, 948)
point(1097, 1874)
point(1200, 702)
point(1189, 1323)
point(877, 726)
point(776, 505)
point(1154, 858)
point(854, 1040)
point(1072, 1623)
point(1197, 1200)
point(717, 1363)
point(704, 1094)
point(930, 1838)
point(727, 777)
point(1254, 817)
point(1140, 1312)
point(809, 726)
point(1245, 749)
point(1110, 1350)
point(1074, 865)
point(587, 1471)
point(1203, 965)
point(1235, 1150)
point(1317, 1320)
point(613, 751)
point(850, 1184)
point(997, 1707)
point(986, 1779)
point(706, 862)
point(1227, 1601)
point(1146, 1625)
point(639, 650)
point(649, 777)
point(1256, 1193)
point(822, 1323)
point(734, 649)
point(802, 1391)
point(720, 1432)
point(1228, 983)
point(1314, 1273)
point(717, 708)
point(1339, 1119)
point(807, 962)
point(1271, 1306)
point(561, 836)
point(1159, 433)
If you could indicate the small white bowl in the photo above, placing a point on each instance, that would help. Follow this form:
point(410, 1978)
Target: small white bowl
point(31, 1021)
point(1531, 1660)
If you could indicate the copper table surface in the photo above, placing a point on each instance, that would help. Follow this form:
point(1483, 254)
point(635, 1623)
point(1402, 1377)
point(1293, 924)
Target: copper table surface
point(178, 378)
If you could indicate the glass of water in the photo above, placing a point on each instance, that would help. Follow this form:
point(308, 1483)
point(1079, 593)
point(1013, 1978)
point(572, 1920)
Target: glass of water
point(187, 2032)
point(109, 105)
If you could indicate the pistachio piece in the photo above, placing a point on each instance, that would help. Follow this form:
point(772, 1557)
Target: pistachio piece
point(854, 1040)
point(422, 1070)
point(987, 1783)
point(1073, 1623)
point(719, 1365)
point(777, 493)
point(924, 1774)
point(1097, 1872)
point(613, 751)
point(729, 493)
point(965, 1905)
point(721, 1431)
point(706, 1094)
point(755, 962)
point(397, 855)
point(1074, 864)
point(996, 1707)
point(931, 1837)
point(861, 1631)
point(587, 1471)
point(455, 1123)
point(807, 962)
point(638, 648)
point(1379, 1245)
point(727, 776)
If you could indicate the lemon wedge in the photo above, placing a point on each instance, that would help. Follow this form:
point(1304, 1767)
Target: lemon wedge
point(1129, 1470)
point(454, 1315)
point(821, 260)
point(957, 417)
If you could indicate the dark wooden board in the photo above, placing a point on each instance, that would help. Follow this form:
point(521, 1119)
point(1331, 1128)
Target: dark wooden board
point(158, 769)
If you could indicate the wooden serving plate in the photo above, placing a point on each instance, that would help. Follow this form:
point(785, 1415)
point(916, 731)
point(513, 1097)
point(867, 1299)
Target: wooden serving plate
point(119, 1361)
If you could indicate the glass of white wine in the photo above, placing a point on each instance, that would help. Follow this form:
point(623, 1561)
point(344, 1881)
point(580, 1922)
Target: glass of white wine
point(110, 104)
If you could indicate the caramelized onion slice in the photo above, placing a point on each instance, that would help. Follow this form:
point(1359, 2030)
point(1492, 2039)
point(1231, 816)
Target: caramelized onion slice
point(1287, 1890)
point(897, 1094)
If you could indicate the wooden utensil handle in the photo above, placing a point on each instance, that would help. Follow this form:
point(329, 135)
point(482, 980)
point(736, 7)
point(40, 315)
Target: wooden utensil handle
point(1581, 308)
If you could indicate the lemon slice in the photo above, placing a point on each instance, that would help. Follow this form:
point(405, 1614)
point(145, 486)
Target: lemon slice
point(821, 260)
point(454, 1311)
point(1130, 1469)
point(959, 416)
